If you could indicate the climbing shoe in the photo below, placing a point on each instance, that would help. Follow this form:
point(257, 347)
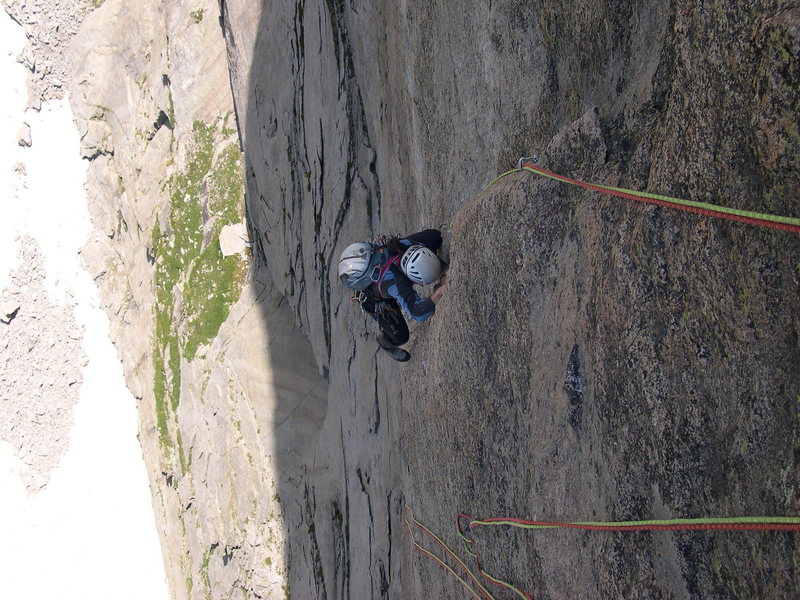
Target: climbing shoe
point(398, 354)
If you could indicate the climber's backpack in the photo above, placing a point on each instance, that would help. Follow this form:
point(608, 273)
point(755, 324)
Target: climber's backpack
point(370, 298)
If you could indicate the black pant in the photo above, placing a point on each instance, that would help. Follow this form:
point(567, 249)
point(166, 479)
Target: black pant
point(394, 329)
point(432, 238)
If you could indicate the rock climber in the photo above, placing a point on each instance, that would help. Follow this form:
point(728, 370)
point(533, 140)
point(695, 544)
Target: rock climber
point(382, 274)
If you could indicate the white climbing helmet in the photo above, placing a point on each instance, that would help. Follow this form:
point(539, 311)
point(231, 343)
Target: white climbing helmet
point(420, 265)
point(356, 265)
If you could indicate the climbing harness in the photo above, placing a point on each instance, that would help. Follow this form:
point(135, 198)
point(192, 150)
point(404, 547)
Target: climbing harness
point(465, 522)
point(703, 208)
point(362, 296)
point(392, 261)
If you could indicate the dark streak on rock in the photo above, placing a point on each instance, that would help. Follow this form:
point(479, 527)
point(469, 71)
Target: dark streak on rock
point(573, 386)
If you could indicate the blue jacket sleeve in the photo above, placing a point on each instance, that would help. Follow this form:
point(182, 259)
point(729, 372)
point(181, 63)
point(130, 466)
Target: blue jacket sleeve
point(401, 289)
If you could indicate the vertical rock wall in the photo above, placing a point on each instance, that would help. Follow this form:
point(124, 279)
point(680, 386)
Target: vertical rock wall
point(358, 119)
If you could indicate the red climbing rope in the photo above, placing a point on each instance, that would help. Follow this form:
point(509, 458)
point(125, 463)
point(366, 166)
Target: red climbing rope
point(705, 524)
point(465, 522)
point(702, 208)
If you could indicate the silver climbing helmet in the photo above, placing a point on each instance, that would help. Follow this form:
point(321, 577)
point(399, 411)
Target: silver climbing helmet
point(420, 265)
point(359, 265)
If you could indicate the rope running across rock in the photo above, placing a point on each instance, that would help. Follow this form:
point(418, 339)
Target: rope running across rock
point(791, 224)
point(465, 522)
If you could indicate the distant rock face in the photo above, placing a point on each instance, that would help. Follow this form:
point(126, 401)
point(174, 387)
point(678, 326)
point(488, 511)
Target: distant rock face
point(157, 123)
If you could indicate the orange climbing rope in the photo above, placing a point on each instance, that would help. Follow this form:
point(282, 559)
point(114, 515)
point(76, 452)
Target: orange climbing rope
point(465, 522)
point(702, 208)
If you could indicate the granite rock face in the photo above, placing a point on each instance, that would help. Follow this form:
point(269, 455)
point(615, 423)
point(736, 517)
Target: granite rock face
point(623, 374)
point(593, 359)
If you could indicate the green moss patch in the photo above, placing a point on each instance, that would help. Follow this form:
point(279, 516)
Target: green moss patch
point(195, 284)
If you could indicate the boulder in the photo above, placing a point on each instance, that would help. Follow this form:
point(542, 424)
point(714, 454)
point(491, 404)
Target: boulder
point(96, 139)
point(8, 310)
point(24, 136)
point(233, 239)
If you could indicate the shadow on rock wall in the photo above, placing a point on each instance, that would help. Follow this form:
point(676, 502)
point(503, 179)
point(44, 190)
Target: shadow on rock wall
point(312, 182)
